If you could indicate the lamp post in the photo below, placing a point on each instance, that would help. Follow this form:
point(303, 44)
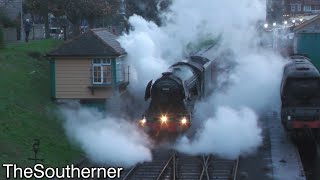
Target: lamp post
point(21, 21)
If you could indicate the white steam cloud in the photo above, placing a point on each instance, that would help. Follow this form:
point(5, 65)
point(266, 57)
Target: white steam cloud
point(228, 134)
point(106, 140)
point(229, 118)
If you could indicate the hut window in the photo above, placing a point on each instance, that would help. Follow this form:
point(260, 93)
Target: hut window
point(101, 69)
point(120, 70)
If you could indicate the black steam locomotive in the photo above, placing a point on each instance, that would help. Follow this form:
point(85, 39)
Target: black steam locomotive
point(300, 96)
point(173, 95)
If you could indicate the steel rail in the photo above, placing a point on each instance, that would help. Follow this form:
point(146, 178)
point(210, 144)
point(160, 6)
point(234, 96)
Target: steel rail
point(165, 167)
point(235, 169)
point(205, 167)
point(174, 165)
point(129, 173)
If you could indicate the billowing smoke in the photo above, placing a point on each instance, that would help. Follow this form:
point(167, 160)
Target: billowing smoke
point(229, 133)
point(106, 140)
point(151, 49)
point(228, 118)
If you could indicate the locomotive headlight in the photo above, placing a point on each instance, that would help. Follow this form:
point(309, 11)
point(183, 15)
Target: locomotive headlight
point(143, 121)
point(164, 119)
point(184, 121)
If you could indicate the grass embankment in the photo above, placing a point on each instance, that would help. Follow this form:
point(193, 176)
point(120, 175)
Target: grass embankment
point(26, 111)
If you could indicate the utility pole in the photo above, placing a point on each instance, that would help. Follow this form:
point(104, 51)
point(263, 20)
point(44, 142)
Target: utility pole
point(21, 22)
point(44, 12)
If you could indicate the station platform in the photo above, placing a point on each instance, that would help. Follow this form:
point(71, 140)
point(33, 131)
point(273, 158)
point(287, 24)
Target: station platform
point(276, 159)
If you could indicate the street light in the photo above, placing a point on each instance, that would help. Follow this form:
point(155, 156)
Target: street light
point(301, 20)
point(285, 22)
point(274, 24)
point(266, 25)
point(21, 21)
point(293, 21)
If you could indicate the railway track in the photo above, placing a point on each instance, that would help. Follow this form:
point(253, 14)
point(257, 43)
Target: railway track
point(170, 165)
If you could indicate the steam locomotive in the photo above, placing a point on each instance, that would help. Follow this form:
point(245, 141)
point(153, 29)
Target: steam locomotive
point(300, 97)
point(174, 94)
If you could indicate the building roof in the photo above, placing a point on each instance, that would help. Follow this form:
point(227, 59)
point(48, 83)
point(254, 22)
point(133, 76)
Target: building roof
point(94, 42)
point(300, 67)
point(300, 26)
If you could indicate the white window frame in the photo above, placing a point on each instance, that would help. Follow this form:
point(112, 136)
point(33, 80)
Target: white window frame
point(100, 62)
point(307, 8)
point(293, 7)
point(120, 70)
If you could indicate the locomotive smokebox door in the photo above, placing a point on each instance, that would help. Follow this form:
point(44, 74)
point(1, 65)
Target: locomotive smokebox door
point(148, 91)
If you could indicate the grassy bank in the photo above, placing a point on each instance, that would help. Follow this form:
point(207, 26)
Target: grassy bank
point(26, 112)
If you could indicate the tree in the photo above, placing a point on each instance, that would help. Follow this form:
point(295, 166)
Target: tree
point(94, 9)
point(77, 10)
point(149, 9)
point(32, 7)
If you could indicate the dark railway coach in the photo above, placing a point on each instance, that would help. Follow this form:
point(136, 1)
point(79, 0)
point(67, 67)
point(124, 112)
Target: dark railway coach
point(173, 94)
point(300, 96)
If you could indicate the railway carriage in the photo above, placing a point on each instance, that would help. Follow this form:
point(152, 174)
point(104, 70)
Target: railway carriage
point(300, 96)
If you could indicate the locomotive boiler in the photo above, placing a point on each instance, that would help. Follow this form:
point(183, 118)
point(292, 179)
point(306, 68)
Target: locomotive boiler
point(300, 96)
point(174, 94)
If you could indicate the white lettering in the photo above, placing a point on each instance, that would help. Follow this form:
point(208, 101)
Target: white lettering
point(15, 169)
point(47, 173)
point(75, 169)
point(28, 173)
point(38, 170)
point(7, 169)
point(119, 172)
point(41, 172)
point(68, 172)
point(104, 172)
point(60, 176)
point(112, 171)
point(85, 173)
point(93, 172)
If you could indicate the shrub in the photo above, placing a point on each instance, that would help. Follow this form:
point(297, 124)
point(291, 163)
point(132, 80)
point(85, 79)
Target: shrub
point(2, 45)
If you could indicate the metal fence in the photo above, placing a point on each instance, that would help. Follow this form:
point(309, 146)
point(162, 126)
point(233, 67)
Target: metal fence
point(12, 34)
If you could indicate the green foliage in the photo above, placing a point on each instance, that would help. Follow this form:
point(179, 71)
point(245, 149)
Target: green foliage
point(32, 6)
point(150, 10)
point(26, 111)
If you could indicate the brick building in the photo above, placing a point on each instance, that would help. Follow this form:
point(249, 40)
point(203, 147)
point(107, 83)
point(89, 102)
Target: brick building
point(302, 7)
